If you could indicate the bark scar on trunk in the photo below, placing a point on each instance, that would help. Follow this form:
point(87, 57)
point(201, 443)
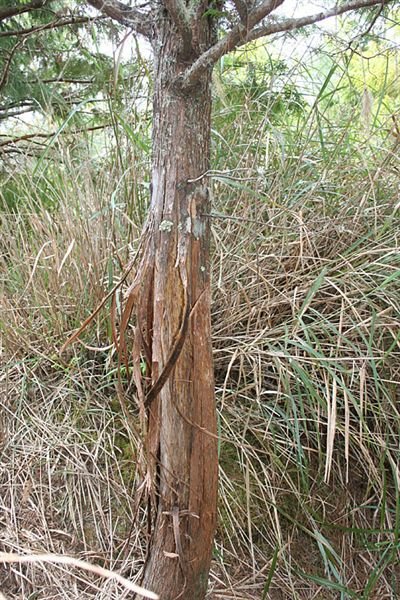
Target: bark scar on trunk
point(173, 356)
point(175, 351)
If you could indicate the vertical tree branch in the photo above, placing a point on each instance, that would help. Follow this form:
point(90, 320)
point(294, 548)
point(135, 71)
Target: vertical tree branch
point(7, 66)
point(242, 10)
point(180, 16)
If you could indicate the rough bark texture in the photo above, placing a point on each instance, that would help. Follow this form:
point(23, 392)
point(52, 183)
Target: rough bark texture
point(173, 321)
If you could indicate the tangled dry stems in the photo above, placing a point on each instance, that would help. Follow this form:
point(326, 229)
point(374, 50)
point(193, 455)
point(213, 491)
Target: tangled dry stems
point(305, 319)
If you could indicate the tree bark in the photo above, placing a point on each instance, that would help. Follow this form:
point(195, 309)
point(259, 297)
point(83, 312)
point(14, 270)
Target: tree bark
point(174, 322)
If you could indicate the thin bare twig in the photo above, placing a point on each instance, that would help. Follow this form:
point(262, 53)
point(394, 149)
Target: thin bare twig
point(367, 31)
point(8, 115)
point(65, 80)
point(296, 23)
point(10, 557)
point(7, 66)
point(53, 25)
point(32, 136)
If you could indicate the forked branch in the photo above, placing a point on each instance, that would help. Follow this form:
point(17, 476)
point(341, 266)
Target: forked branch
point(296, 23)
point(241, 34)
point(131, 17)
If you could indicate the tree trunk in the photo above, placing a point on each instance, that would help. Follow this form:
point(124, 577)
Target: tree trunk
point(174, 320)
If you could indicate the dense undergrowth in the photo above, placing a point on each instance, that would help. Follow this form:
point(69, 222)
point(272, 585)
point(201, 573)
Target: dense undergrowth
point(306, 305)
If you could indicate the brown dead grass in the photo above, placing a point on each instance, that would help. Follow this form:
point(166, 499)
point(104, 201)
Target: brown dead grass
point(306, 307)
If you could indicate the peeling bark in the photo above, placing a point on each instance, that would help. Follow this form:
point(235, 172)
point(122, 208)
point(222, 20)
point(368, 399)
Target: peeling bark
point(173, 321)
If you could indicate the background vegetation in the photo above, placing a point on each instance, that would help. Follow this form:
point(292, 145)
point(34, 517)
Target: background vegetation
point(306, 305)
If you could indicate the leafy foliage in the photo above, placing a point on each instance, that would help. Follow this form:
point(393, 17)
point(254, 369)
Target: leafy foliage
point(53, 64)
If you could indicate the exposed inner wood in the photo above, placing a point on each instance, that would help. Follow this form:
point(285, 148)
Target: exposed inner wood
point(171, 303)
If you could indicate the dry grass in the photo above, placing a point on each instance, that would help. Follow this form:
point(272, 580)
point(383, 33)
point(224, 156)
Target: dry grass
point(306, 339)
